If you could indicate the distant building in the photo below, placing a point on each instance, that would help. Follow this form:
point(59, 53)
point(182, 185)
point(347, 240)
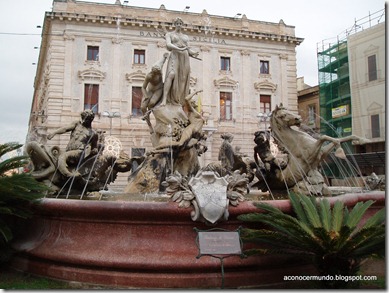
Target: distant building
point(97, 56)
point(308, 104)
point(352, 89)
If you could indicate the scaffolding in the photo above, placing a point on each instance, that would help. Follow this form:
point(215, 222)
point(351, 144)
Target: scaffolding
point(334, 82)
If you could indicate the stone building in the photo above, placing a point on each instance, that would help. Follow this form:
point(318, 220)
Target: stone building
point(352, 89)
point(367, 53)
point(96, 56)
point(308, 104)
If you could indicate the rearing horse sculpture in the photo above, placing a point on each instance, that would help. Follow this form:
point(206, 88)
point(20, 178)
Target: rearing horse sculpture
point(304, 152)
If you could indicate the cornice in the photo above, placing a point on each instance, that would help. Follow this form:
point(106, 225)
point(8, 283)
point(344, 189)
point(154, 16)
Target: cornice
point(265, 84)
point(91, 73)
point(135, 76)
point(225, 82)
point(143, 23)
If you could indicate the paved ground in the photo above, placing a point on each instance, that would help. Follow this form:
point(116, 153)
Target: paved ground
point(369, 268)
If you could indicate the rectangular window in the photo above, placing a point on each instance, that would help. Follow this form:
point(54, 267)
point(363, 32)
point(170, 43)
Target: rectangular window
point(91, 97)
point(225, 63)
point(311, 114)
point(93, 53)
point(225, 106)
point(136, 100)
point(265, 103)
point(139, 56)
point(372, 67)
point(264, 67)
point(375, 126)
point(136, 152)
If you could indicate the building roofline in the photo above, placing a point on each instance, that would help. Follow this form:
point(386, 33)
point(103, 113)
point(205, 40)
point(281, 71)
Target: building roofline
point(132, 15)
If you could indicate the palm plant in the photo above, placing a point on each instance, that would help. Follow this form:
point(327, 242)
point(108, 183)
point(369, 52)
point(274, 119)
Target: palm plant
point(329, 237)
point(17, 191)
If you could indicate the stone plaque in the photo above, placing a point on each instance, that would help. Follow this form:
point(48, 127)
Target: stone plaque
point(219, 243)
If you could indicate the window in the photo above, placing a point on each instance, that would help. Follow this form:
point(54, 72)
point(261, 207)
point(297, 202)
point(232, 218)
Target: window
point(264, 67)
point(91, 97)
point(372, 67)
point(136, 100)
point(225, 106)
point(139, 56)
point(225, 63)
point(311, 114)
point(136, 152)
point(265, 103)
point(93, 53)
point(375, 126)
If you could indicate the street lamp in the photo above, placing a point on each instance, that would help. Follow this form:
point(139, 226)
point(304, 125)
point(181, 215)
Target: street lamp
point(264, 117)
point(111, 115)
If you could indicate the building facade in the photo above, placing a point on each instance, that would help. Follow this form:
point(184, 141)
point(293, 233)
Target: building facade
point(352, 89)
point(367, 69)
point(96, 56)
point(367, 59)
point(308, 104)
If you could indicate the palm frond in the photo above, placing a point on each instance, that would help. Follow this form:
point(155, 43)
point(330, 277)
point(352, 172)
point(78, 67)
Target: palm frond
point(369, 243)
point(17, 190)
point(337, 216)
point(20, 187)
point(325, 214)
point(11, 164)
point(323, 236)
point(271, 251)
point(8, 147)
point(366, 237)
point(298, 209)
point(278, 220)
point(5, 232)
point(291, 230)
point(280, 240)
point(357, 213)
point(267, 207)
point(345, 215)
point(310, 207)
point(284, 223)
point(377, 219)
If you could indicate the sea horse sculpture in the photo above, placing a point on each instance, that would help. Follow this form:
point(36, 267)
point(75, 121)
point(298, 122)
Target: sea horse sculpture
point(304, 152)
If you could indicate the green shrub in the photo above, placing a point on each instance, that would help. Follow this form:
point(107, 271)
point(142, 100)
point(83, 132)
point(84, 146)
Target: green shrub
point(17, 191)
point(329, 237)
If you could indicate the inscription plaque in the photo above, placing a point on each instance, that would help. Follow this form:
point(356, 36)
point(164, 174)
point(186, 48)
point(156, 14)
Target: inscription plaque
point(211, 243)
point(220, 244)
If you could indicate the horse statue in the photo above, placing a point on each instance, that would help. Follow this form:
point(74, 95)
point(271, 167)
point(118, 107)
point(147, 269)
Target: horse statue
point(304, 152)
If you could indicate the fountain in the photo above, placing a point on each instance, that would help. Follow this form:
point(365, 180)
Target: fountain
point(146, 237)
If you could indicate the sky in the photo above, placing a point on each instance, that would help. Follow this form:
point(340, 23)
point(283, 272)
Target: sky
point(315, 21)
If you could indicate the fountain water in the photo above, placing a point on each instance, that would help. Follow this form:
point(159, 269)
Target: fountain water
point(144, 240)
point(151, 244)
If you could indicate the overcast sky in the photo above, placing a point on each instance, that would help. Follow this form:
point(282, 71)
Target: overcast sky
point(314, 21)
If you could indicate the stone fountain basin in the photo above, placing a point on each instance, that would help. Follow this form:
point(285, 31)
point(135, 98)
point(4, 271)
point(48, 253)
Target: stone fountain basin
point(136, 244)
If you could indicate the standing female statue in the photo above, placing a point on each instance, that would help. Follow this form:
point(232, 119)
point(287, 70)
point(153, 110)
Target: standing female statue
point(176, 86)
